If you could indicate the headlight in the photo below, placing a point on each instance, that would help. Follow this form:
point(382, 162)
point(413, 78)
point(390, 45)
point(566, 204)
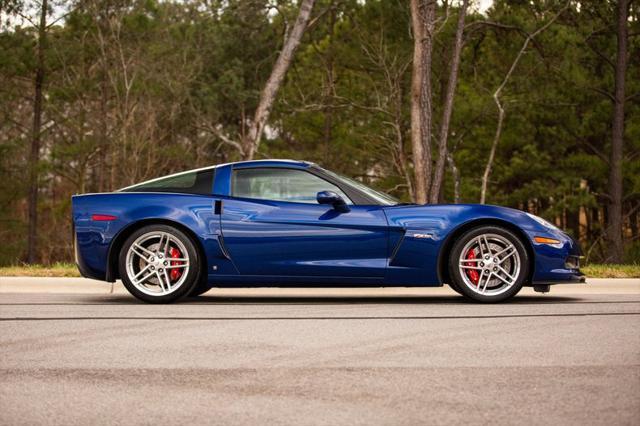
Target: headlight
point(543, 222)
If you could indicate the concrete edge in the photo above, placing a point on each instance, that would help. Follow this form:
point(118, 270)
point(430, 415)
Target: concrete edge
point(87, 286)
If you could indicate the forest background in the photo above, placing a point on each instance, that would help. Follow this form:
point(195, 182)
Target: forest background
point(530, 104)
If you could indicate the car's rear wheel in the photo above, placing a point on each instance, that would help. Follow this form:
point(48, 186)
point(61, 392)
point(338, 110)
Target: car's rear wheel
point(159, 264)
point(489, 264)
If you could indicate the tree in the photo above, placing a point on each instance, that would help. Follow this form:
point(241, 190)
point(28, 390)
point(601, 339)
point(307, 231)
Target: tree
point(614, 216)
point(251, 142)
point(428, 180)
point(136, 89)
point(501, 112)
point(448, 106)
point(36, 131)
point(423, 14)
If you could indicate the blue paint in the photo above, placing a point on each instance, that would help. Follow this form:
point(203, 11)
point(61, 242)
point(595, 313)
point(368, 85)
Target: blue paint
point(259, 242)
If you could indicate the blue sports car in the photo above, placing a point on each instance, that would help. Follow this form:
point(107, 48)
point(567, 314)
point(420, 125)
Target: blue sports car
point(292, 223)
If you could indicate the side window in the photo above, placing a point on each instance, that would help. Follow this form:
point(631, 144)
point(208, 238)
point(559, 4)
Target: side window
point(291, 185)
point(200, 182)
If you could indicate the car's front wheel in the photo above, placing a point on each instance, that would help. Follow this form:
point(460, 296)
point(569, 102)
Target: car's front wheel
point(159, 264)
point(489, 264)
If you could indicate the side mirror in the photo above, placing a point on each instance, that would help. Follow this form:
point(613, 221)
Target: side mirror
point(330, 197)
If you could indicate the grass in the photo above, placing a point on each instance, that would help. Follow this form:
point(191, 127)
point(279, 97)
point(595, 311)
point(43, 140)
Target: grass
point(54, 270)
point(611, 271)
point(70, 270)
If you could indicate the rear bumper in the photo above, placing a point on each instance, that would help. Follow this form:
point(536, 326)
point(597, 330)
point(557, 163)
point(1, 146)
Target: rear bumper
point(85, 269)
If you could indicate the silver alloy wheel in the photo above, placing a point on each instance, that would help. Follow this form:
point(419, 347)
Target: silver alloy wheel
point(489, 264)
point(149, 266)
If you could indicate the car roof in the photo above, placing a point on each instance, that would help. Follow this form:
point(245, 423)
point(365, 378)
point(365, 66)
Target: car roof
point(243, 164)
point(270, 163)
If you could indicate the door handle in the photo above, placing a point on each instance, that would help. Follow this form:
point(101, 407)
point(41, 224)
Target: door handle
point(217, 207)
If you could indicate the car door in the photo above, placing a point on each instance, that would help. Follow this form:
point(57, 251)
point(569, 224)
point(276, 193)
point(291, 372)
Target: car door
point(272, 225)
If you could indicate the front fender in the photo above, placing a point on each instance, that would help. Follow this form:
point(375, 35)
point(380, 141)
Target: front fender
point(421, 235)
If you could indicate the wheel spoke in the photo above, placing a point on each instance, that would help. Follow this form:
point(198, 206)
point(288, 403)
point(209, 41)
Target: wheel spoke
point(477, 268)
point(486, 283)
point(142, 271)
point(486, 243)
point(504, 250)
point(465, 261)
point(482, 252)
point(511, 253)
point(511, 277)
point(503, 279)
point(162, 283)
point(143, 279)
point(160, 246)
point(508, 255)
point(167, 280)
point(141, 252)
point(184, 265)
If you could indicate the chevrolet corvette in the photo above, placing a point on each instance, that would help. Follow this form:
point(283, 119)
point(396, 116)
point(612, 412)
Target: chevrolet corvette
point(292, 223)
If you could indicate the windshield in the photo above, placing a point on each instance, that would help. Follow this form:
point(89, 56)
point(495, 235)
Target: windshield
point(380, 197)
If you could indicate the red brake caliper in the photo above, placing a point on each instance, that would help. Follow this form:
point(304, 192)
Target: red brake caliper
point(472, 273)
point(176, 272)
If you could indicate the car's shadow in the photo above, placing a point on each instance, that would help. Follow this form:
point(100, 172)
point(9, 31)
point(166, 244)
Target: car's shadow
point(212, 299)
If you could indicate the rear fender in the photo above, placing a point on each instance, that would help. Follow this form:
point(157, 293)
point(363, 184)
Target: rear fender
point(99, 242)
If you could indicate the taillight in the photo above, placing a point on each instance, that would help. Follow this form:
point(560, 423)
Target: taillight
point(103, 217)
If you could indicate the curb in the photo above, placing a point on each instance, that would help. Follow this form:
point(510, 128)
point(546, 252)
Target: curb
point(87, 286)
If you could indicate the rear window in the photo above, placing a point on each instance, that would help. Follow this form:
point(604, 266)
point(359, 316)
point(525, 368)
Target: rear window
point(200, 182)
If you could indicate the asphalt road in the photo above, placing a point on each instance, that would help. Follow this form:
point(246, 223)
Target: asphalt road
point(333, 358)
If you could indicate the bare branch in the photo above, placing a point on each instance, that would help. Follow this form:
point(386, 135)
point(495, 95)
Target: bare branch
point(251, 142)
point(496, 98)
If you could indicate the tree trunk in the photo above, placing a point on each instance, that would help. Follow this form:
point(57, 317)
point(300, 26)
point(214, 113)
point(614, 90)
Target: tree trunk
point(633, 224)
point(34, 155)
point(402, 165)
point(329, 89)
point(456, 178)
point(614, 216)
point(492, 151)
point(103, 148)
point(448, 106)
point(251, 142)
point(422, 22)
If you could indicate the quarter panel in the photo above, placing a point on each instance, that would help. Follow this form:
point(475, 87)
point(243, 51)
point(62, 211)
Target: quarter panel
point(93, 238)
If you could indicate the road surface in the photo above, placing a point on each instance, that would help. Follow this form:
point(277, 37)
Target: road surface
point(325, 357)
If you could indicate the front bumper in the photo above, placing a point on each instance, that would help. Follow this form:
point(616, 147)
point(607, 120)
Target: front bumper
point(578, 278)
point(558, 264)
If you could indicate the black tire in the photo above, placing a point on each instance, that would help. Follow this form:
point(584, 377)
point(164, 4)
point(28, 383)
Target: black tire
point(459, 283)
point(201, 288)
point(187, 285)
point(455, 288)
